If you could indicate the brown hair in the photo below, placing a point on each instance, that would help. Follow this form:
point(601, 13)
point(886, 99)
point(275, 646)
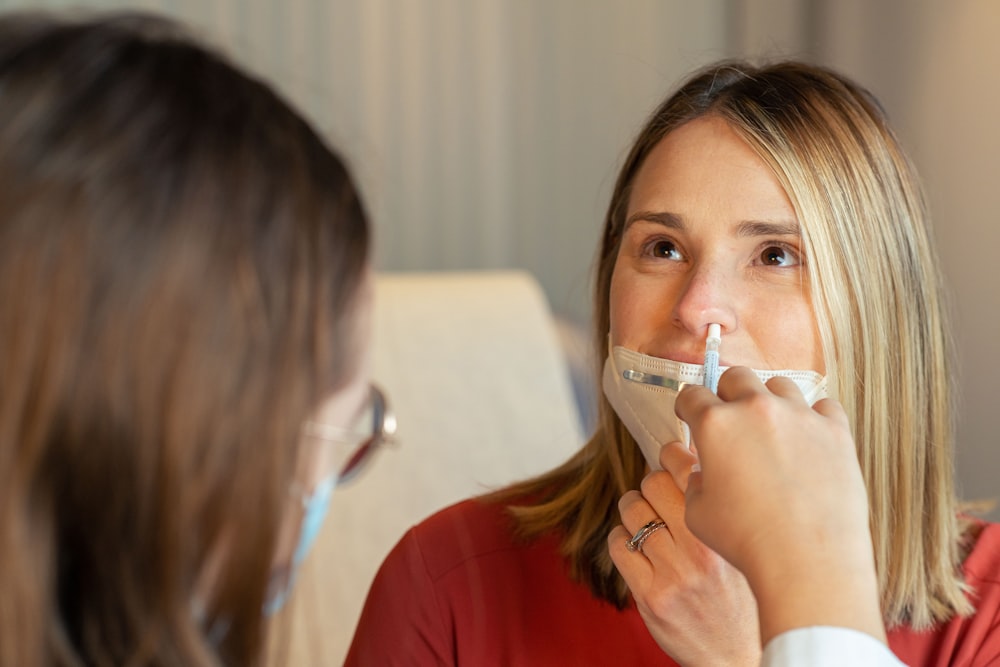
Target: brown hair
point(874, 276)
point(180, 256)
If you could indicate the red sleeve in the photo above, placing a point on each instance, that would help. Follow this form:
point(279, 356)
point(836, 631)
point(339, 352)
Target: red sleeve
point(401, 623)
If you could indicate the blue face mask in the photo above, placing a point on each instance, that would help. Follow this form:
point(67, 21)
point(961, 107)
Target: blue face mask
point(316, 507)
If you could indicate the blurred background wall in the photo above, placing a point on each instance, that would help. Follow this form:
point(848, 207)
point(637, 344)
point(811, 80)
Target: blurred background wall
point(487, 133)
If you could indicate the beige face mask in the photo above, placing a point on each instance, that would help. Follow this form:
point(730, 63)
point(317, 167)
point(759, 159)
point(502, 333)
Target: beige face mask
point(643, 389)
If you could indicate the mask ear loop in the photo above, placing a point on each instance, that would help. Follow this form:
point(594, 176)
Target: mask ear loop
point(315, 506)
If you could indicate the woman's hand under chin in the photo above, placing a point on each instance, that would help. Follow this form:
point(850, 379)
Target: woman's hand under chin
point(698, 607)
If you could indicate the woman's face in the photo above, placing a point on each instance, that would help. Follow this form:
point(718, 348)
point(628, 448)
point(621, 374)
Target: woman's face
point(710, 237)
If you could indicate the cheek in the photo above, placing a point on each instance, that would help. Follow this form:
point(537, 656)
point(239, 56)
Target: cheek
point(621, 306)
point(789, 338)
point(616, 305)
point(810, 350)
point(635, 307)
point(815, 351)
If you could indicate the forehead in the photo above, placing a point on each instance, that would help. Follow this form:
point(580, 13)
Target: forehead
point(704, 168)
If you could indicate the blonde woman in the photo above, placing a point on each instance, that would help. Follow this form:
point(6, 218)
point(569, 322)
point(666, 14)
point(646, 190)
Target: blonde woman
point(775, 203)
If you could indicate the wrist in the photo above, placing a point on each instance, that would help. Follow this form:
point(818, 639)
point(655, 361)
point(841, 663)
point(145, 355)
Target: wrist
point(837, 588)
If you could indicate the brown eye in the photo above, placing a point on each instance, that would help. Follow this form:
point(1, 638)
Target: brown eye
point(778, 256)
point(665, 250)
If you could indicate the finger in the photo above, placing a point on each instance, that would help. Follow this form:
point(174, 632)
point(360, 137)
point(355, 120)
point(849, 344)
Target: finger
point(692, 402)
point(785, 388)
point(634, 567)
point(739, 382)
point(677, 460)
point(663, 496)
point(693, 505)
point(635, 510)
point(657, 545)
point(832, 409)
point(636, 540)
point(694, 489)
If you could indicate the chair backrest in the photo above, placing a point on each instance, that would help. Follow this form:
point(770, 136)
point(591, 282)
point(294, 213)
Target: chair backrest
point(473, 367)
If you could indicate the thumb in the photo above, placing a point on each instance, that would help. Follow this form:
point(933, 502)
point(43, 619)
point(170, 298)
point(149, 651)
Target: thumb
point(677, 459)
point(694, 506)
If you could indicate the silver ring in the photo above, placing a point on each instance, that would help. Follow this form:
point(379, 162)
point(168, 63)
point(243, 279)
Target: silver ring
point(641, 535)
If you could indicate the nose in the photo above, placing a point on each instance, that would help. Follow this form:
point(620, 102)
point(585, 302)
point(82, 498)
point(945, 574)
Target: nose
point(709, 296)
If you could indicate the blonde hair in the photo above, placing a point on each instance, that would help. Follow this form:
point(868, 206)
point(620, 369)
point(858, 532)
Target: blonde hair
point(875, 289)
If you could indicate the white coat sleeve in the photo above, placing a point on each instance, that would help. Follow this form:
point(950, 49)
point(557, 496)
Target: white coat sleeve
point(822, 646)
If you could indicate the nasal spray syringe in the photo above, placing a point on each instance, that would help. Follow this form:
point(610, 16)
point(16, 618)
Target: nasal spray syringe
point(711, 370)
point(712, 357)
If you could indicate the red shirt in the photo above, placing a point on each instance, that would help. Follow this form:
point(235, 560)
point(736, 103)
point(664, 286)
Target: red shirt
point(458, 589)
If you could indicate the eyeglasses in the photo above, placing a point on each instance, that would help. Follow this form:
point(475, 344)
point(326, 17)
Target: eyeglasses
point(375, 427)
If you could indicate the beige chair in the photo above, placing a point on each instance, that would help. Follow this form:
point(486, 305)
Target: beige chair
point(474, 369)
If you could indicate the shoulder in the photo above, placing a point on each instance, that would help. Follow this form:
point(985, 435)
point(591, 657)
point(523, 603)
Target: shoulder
point(983, 562)
point(424, 589)
point(982, 574)
point(971, 640)
point(471, 530)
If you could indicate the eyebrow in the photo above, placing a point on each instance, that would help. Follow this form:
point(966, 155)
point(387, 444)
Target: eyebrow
point(746, 228)
point(670, 220)
point(749, 228)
